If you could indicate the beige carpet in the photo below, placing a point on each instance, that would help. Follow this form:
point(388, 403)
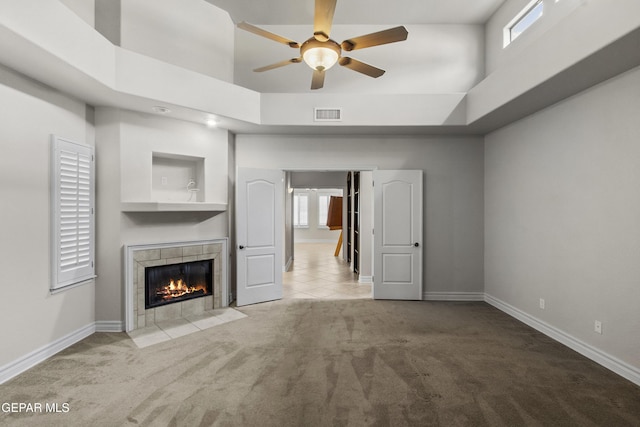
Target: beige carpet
point(331, 363)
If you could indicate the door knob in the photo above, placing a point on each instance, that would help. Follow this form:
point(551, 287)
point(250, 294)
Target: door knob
point(416, 244)
point(241, 247)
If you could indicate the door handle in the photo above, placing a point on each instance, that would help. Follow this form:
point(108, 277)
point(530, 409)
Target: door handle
point(241, 247)
point(416, 244)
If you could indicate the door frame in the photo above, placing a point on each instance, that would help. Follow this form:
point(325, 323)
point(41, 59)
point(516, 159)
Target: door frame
point(360, 168)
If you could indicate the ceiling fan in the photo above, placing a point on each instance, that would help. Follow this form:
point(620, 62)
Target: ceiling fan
point(320, 52)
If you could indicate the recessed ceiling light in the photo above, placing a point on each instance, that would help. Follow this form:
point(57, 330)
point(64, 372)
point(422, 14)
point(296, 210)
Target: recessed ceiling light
point(212, 122)
point(160, 109)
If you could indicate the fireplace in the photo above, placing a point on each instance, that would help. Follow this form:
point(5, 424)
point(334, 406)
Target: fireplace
point(167, 284)
point(196, 258)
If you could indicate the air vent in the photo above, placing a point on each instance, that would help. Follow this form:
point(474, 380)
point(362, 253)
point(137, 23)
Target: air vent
point(327, 114)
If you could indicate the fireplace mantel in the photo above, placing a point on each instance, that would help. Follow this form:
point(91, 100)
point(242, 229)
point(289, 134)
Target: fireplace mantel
point(172, 207)
point(136, 257)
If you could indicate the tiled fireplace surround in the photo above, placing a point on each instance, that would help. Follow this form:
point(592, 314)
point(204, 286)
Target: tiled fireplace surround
point(137, 257)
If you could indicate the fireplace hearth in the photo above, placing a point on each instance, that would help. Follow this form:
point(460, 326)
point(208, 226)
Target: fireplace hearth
point(167, 284)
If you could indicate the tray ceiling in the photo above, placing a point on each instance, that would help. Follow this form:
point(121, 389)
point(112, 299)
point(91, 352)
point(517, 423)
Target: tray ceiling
point(363, 12)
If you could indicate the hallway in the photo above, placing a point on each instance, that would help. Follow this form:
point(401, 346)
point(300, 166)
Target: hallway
point(317, 274)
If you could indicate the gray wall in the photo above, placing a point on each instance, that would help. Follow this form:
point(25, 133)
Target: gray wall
point(287, 254)
point(319, 179)
point(124, 143)
point(316, 233)
point(496, 55)
point(453, 199)
point(192, 34)
point(313, 180)
point(562, 216)
point(85, 9)
point(32, 318)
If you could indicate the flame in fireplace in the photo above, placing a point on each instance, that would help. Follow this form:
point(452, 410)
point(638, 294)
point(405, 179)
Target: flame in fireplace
point(178, 288)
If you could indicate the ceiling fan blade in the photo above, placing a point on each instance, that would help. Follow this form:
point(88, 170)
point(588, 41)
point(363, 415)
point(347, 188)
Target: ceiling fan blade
point(278, 64)
point(361, 67)
point(391, 35)
point(264, 33)
point(317, 81)
point(323, 19)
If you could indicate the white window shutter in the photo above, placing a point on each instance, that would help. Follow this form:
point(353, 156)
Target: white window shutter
point(73, 194)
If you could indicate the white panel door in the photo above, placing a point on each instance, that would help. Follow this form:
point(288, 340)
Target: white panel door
point(397, 234)
point(259, 234)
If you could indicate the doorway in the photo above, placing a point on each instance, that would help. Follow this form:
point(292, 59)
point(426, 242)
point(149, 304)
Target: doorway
point(263, 200)
point(320, 262)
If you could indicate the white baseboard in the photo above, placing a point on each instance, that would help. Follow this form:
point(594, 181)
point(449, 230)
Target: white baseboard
point(610, 362)
point(109, 326)
point(287, 266)
point(453, 296)
point(43, 353)
point(365, 279)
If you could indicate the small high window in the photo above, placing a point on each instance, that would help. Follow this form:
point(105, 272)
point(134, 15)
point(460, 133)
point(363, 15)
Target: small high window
point(523, 20)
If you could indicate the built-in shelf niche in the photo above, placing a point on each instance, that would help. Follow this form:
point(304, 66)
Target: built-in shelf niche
point(171, 175)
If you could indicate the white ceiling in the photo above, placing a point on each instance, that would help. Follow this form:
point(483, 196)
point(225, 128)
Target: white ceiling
point(21, 54)
point(432, 60)
point(363, 12)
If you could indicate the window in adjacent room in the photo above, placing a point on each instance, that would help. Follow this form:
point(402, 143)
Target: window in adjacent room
point(523, 20)
point(323, 209)
point(300, 209)
point(72, 210)
point(323, 205)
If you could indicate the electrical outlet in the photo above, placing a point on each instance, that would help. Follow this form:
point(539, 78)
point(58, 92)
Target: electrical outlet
point(165, 181)
point(542, 303)
point(598, 327)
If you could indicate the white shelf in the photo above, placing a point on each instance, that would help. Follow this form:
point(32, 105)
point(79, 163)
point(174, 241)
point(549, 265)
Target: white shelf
point(172, 207)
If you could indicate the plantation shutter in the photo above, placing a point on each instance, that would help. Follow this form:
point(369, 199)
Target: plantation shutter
point(73, 212)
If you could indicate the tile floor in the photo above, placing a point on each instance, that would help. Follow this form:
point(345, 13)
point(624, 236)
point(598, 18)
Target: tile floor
point(170, 329)
point(317, 274)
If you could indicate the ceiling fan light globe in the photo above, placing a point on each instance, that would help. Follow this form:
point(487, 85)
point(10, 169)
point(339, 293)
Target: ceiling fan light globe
point(320, 58)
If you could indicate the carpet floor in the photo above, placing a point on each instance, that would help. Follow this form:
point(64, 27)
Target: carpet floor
point(330, 363)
